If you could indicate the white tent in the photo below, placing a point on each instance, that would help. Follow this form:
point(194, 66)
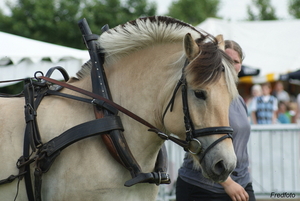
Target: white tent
point(271, 46)
point(28, 56)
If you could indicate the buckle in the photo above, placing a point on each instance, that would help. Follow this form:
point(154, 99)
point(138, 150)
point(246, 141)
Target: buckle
point(152, 178)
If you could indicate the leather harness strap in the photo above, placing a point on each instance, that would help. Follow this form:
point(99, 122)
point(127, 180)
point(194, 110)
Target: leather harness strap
point(152, 128)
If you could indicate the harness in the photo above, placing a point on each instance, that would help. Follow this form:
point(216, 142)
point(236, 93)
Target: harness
point(107, 124)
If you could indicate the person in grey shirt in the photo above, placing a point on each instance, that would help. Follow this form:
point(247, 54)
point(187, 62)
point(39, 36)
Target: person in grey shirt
point(193, 186)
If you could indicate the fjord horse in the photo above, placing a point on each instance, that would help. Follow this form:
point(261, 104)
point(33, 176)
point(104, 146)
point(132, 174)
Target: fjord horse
point(144, 60)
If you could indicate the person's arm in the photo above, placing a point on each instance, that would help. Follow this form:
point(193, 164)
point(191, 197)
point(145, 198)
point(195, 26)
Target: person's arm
point(235, 191)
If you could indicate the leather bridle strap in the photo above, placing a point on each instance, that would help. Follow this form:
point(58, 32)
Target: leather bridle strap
point(213, 131)
point(214, 144)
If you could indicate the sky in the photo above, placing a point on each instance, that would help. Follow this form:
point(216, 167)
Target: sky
point(233, 9)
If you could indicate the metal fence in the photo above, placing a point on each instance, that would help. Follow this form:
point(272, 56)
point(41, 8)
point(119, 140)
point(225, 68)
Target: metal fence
point(274, 156)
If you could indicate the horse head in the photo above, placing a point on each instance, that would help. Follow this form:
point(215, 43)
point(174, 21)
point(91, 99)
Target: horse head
point(210, 88)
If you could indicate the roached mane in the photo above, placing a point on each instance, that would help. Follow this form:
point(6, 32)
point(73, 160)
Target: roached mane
point(143, 32)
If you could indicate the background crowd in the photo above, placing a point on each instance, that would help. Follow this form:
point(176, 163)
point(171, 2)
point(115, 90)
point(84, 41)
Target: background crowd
point(268, 105)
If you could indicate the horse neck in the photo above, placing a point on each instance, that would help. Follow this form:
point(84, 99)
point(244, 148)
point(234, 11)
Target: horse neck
point(136, 83)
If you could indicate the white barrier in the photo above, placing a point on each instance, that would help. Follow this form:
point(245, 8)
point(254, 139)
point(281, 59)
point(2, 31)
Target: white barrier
point(274, 159)
point(274, 156)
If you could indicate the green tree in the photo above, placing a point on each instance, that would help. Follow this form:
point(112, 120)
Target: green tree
point(265, 11)
point(194, 11)
point(113, 13)
point(294, 8)
point(55, 21)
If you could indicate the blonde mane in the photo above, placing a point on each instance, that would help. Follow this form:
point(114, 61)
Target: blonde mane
point(138, 34)
point(143, 32)
point(135, 35)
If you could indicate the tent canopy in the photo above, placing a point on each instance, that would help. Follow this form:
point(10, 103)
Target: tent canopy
point(20, 57)
point(270, 46)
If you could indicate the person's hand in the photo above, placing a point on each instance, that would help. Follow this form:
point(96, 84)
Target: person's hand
point(235, 191)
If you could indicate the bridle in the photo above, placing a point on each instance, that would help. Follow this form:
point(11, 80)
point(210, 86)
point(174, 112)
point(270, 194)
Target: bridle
point(191, 133)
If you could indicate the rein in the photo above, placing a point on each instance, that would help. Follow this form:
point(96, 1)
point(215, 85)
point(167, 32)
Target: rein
point(103, 101)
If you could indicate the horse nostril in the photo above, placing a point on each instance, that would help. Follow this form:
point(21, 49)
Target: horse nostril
point(219, 168)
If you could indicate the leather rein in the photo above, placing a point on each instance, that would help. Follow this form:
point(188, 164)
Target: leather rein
point(116, 107)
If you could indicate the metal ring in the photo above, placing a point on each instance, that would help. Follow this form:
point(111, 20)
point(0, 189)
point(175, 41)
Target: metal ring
point(198, 148)
point(38, 72)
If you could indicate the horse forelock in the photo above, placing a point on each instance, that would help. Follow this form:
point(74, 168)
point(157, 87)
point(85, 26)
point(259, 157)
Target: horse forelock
point(208, 66)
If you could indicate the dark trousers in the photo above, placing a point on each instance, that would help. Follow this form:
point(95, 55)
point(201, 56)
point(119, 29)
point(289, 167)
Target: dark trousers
point(189, 192)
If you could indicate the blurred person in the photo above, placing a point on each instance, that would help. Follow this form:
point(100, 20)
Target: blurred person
point(191, 185)
point(280, 93)
point(292, 111)
point(265, 107)
point(298, 108)
point(256, 91)
point(283, 116)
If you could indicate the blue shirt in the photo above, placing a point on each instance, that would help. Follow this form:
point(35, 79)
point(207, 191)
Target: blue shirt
point(241, 133)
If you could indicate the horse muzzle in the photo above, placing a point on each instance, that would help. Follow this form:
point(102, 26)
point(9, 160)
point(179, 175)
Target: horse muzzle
point(195, 146)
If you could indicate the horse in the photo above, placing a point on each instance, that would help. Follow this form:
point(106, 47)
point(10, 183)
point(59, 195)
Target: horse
point(144, 59)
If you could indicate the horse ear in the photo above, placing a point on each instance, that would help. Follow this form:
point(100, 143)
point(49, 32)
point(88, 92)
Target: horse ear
point(190, 46)
point(221, 42)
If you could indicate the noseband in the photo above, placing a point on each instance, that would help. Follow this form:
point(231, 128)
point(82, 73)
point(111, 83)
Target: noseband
point(191, 132)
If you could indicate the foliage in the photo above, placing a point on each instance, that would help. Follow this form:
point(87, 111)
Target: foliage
point(55, 21)
point(294, 8)
point(193, 11)
point(265, 11)
point(113, 13)
point(12, 89)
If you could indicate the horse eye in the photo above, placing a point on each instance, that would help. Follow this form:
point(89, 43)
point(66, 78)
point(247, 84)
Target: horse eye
point(200, 94)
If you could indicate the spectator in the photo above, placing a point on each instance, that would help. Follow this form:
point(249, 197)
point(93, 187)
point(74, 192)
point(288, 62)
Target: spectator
point(280, 93)
point(283, 113)
point(292, 111)
point(256, 91)
point(265, 107)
